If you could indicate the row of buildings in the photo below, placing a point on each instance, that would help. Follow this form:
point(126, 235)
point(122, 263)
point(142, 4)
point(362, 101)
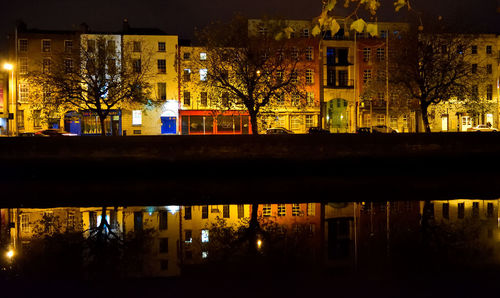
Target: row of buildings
point(331, 234)
point(335, 68)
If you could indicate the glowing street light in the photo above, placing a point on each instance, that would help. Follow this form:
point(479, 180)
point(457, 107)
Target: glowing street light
point(10, 254)
point(8, 66)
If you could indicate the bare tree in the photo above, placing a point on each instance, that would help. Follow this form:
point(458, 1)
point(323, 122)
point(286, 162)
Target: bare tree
point(433, 68)
point(250, 71)
point(101, 78)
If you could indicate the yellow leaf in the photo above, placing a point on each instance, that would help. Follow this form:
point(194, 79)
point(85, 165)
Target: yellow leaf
point(330, 5)
point(316, 30)
point(398, 4)
point(288, 31)
point(279, 36)
point(372, 29)
point(358, 25)
point(334, 26)
point(323, 18)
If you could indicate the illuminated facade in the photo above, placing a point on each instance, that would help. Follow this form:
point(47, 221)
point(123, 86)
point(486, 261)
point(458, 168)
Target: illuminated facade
point(33, 50)
point(156, 53)
point(456, 115)
point(200, 108)
point(290, 111)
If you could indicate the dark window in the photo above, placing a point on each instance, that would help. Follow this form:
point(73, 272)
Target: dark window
point(138, 221)
point(330, 77)
point(163, 245)
point(474, 68)
point(489, 50)
point(461, 210)
point(162, 66)
point(203, 99)
point(204, 211)
point(187, 56)
point(164, 264)
point(475, 209)
point(225, 211)
point(490, 210)
point(137, 65)
point(188, 236)
point(342, 55)
point(474, 49)
point(187, 75)
point(187, 98)
point(241, 211)
point(92, 219)
point(330, 56)
point(489, 69)
point(343, 78)
point(446, 210)
point(187, 212)
point(163, 220)
point(162, 91)
point(161, 46)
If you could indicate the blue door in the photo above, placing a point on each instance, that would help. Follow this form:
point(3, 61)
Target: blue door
point(168, 125)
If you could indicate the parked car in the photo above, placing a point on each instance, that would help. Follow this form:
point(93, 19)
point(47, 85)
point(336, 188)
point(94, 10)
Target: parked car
point(278, 131)
point(376, 129)
point(482, 127)
point(27, 134)
point(54, 133)
point(318, 130)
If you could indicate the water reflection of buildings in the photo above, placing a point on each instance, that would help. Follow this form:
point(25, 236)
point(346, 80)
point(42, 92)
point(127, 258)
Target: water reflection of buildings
point(334, 234)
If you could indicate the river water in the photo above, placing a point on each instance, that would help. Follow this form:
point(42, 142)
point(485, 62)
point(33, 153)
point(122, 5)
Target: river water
point(347, 242)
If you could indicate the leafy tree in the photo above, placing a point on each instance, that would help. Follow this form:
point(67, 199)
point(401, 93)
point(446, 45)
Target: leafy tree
point(249, 70)
point(101, 78)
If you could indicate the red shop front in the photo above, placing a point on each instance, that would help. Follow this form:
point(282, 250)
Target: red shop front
point(209, 122)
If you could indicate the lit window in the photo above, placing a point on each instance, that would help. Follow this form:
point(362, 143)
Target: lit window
point(25, 223)
point(367, 75)
point(305, 32)
point(295, 53)
point(204, 254)
point(309, 76)
point(367, 54)
point(23, 65)
point(136, 117)
point(23, 92)
point(203, 56)
point(309, 121)
point(203, 74)
point(296, 123)
point(187, 75)
point(204, 236)
point(309, 53)
point(310, 98)
point(295, 209)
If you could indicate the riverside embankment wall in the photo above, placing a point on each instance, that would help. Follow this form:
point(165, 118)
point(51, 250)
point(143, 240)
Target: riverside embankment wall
point(201, 169)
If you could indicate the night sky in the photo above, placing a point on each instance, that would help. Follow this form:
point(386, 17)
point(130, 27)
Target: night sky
point(180, 17)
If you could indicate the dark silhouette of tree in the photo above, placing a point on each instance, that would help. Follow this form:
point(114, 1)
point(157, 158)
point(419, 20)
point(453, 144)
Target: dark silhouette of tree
point(433, 67)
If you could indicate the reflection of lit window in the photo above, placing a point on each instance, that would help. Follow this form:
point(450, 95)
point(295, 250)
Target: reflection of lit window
point(204, 254)
point(266, 210)
point(281, 210)
point(204, 236)
point(310, 209)
point(136, 117)
point(295, 210)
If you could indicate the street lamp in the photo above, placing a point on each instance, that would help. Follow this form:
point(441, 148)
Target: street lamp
point(10, 67)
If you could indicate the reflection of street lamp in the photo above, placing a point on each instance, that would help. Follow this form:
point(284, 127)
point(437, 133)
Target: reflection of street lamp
point(10, 67)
